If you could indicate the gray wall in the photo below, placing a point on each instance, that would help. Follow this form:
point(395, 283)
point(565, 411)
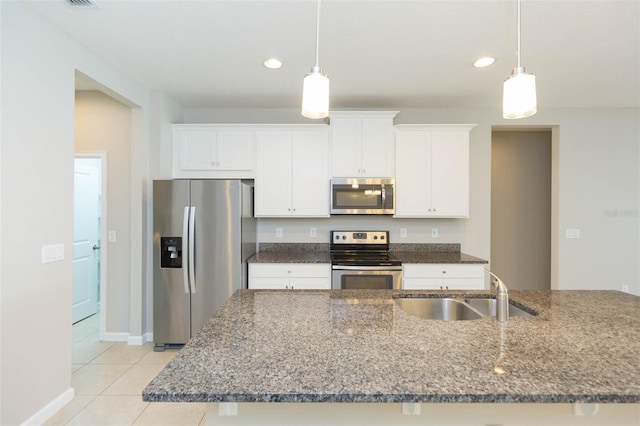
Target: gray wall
point(102, 124)
point(37, 73)
point(521, 208)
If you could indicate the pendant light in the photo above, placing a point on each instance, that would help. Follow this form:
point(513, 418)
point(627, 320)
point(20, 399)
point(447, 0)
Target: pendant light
point(315, 86)
point(519, 92)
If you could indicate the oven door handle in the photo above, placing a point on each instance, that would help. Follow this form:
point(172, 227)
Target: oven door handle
point(367, 268)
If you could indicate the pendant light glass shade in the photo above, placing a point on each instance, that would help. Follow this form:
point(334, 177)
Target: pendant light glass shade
point(519, 95)
point(519, 98)
point(315, 94)
point(315, 86)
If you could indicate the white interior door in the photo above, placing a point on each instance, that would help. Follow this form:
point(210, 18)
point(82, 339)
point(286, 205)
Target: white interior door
point(86, 237)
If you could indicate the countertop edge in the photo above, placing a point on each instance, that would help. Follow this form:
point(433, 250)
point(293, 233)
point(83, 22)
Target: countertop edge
point(397, 398)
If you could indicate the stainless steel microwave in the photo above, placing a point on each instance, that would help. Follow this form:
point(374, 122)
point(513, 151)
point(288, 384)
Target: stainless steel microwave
point(362, 196)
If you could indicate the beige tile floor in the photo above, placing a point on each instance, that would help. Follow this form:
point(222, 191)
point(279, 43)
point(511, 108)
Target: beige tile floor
point(108, 379)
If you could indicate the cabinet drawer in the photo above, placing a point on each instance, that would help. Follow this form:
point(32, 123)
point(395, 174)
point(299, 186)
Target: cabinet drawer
point(443, 283)
point(258, 283)
point(289, 270)
point(310, 283)
point(443, 270)
point(279, 283)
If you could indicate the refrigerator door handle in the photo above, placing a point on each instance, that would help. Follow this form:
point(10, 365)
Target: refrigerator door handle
point(192, 249)
point(185, 249)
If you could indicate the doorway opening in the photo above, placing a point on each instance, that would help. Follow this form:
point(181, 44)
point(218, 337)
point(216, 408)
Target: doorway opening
point(522, 207)
point(89, 233)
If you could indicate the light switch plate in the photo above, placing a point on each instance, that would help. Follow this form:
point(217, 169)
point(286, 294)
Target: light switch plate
point(112, 236)
point(434, 232)
point(572, 233)
point(52, 253)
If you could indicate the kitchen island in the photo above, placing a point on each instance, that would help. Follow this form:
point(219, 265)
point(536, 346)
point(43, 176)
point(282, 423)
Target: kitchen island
point(279, 353)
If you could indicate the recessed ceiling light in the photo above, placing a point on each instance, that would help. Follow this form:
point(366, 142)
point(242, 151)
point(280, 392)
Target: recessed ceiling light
point(272, 63)
point(485, 61)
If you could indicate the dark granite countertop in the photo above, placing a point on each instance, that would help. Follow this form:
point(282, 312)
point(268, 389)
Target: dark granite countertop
point(291, 253)
point(434, 257)
point(357, 346)
point(319, 253)
point(301, 256)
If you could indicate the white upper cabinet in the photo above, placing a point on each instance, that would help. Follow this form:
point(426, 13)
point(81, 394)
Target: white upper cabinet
point(292, 172)
point(362, 143)
point(213, 151)
point(432, 170)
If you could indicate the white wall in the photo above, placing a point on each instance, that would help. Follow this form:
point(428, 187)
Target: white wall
point(598, 190)
point(103, 124)
point(38, 72)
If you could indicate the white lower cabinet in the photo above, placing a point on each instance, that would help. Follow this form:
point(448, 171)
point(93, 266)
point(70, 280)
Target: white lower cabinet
point(442, 276)
point(282, 276)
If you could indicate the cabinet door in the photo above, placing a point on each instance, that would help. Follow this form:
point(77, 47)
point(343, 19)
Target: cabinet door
point(310, 174)
point(309, 283)
point(196, 149)
point(450, 174)
point(413, 172)
point(346, 137)
point(443, 284)
point(377, 147)
point(273, 174)
point(234, 150)
point(260, 283)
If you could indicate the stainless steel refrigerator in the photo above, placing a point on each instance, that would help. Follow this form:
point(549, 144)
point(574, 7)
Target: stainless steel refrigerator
point(203, 233)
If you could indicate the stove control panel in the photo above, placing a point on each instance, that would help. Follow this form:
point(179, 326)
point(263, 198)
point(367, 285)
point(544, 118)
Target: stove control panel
point(359, 237)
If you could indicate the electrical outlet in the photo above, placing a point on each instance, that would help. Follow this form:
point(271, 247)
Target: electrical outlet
point(313, 232)
point(278, 232)
point(112, 236)
point(403, 232)
point(434, 232)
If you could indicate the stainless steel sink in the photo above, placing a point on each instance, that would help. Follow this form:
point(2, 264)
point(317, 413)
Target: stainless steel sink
point(487, 307)
point(444, 309)
point(453, 309)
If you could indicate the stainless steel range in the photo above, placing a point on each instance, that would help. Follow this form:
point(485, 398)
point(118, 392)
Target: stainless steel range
point(360, 260)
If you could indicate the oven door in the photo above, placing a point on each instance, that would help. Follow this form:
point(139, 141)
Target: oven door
point(366, 277)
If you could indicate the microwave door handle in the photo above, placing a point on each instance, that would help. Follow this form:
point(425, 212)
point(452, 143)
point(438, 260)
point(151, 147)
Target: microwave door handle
point(384, 196)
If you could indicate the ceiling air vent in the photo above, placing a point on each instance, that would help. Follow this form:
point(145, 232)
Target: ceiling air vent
point(81, 3)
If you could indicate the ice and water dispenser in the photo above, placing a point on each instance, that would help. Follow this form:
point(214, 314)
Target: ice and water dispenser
point(171, 252)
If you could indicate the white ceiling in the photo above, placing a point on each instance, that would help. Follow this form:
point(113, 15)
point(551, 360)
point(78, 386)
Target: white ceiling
point(378, 54)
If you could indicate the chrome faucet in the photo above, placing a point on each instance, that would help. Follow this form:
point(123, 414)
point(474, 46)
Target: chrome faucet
point(502, 298)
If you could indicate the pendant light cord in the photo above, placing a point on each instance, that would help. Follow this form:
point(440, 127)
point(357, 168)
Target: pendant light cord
point(318, 33)
point(518, 48)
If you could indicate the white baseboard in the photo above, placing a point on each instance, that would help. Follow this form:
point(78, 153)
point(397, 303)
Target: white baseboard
point(140, 340)
point(126, 337)
point(115, 337)
point(51, 408)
